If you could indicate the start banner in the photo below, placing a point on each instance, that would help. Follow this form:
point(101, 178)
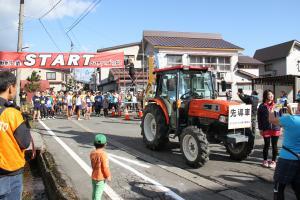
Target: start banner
point(61, 60)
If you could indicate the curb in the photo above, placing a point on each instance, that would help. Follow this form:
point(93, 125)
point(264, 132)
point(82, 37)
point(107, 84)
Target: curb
point(56, 187)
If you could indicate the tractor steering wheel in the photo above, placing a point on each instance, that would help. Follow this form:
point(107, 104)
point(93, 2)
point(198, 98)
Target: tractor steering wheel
point(189, 94)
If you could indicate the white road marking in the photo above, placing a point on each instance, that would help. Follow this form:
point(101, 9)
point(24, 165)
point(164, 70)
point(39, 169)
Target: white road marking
point(130, 161)
point(167, 191)
point(108, 190)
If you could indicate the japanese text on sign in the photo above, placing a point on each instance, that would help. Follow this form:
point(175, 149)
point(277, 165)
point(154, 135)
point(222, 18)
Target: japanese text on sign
point(239, 116)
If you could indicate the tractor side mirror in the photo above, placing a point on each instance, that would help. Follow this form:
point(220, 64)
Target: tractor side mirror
point(223, 85)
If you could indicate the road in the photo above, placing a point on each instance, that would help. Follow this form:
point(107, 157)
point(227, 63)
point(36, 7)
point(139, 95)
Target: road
point(139, 173)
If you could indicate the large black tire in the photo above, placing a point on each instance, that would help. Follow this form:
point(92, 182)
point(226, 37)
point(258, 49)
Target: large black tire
point(156, 137)
point(194, 146)
point(241, 151)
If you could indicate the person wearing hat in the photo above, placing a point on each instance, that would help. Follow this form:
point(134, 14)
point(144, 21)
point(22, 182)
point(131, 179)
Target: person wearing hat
point(100, 166)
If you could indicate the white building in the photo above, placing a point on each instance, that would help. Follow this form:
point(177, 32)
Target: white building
point(281, 69)
point(57, 79)
point(200, 49)
point(116, 79)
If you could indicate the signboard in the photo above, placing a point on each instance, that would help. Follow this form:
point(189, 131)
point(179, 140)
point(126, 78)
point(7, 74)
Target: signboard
point(61, 60)
point(239, 116)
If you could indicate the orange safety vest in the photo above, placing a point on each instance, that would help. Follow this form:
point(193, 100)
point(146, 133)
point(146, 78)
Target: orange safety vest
point(11, 156)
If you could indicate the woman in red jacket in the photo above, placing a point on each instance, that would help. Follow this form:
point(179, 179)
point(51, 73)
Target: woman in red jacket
point(269, 131)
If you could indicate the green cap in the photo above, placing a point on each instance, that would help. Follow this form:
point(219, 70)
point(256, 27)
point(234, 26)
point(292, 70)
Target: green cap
point(100, 139)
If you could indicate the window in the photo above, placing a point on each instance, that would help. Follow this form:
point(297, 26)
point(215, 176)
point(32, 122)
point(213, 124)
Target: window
point(216, 63)
point(174, 60)
point(245, 87)
point(51, 75)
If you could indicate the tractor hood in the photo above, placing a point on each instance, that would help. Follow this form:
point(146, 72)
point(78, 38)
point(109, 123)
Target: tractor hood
point(210, 108)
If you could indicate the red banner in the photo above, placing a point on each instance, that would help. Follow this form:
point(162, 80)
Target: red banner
point(61, 60)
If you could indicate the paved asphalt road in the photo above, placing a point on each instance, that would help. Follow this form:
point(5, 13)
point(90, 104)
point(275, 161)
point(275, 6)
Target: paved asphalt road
point(139, 173)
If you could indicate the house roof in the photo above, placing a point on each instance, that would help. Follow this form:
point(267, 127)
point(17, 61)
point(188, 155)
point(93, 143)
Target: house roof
point(187, 40)
point(247, 60)
point(247, 73)
point(119, 47)
point(274, 52)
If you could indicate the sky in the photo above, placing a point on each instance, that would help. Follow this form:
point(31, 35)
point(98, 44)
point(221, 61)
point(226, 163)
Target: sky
point(251, 24)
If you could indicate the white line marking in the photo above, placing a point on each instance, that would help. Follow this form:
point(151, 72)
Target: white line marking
point(108, 190)
point(167, 191)
point(130, 161)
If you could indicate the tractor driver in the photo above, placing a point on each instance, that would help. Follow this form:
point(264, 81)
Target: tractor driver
point(171, 99)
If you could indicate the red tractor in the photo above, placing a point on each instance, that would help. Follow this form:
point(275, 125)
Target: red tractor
point(185, 106)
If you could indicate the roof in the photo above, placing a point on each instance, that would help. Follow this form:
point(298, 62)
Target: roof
point(247, 60)
point(247, 73)
point(199, 68)
point(187, 40)
point(274, 52)
point(119, 47)
point(276, 80)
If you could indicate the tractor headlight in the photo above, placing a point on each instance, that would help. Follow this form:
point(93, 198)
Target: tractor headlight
point(223, 119)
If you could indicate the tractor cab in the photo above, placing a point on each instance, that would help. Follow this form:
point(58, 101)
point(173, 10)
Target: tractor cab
point(178, 86)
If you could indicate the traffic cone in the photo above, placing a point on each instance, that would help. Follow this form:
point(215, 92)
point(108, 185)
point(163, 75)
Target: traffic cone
point(120, 113)
point(113, 112)
point(140, 114)
point(126, 114)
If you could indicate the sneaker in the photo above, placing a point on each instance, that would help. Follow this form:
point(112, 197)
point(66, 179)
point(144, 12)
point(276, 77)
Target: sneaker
point(272, 164)
point(265, 163)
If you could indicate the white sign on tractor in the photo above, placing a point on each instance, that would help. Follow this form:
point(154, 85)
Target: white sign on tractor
point(239, 116)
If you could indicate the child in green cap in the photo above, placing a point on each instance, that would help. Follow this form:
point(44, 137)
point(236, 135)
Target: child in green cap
point(99, 162)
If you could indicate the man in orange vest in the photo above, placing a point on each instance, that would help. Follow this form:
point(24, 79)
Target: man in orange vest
point(14, 139)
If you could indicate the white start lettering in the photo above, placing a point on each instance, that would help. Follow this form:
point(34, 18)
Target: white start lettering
point(44, 58)
point(59, 60)
point(30, 60)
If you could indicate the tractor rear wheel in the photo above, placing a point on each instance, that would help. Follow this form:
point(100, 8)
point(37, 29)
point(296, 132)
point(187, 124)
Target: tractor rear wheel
point(194, 146)
point(154, 127)
point(242, 150)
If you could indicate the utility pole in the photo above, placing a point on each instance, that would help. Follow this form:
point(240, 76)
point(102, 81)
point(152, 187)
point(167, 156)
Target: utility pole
point(19, 48)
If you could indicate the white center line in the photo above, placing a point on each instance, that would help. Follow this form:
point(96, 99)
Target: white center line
point(108, 190)
point(167, 191)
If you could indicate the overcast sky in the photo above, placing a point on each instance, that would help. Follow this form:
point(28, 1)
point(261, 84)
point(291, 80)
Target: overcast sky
point(249, 24)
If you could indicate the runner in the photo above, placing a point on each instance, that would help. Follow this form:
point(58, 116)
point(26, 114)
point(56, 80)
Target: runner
point(69, 105)
point(98, 104)
point(60, 100)
point(36, 103)
point(88, 106)
point(50, 107)
point(78, 105)
point(43, 108)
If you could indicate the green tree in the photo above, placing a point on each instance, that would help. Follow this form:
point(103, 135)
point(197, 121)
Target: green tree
point(33, 82)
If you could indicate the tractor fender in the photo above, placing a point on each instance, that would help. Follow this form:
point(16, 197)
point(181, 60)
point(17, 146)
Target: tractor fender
point(162, 105)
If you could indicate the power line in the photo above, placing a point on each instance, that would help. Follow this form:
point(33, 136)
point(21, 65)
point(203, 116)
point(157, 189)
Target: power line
point(84, 14)
point(49, 35)
point(44, 15)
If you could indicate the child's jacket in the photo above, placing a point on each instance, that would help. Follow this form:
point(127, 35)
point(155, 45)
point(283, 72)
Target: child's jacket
point(99, 162)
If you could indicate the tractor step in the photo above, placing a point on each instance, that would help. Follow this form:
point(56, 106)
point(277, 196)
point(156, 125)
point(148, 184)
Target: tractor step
point(237, 138)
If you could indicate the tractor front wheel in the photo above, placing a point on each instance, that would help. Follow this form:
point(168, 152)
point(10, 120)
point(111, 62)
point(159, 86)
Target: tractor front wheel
point(154, 127)
point(242, 150)
point(194, 146)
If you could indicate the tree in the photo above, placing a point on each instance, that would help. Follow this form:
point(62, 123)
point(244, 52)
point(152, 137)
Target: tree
point(33, 82)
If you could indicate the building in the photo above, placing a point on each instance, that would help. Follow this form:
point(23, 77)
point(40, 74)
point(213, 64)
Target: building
point(201, 49)
point(281, 69)
point(118, 78)
point(55, 79)
point(247, 69)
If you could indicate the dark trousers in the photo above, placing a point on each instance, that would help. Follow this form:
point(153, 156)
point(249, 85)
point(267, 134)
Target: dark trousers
point(50, 112)
point(44, 112)
point(98, 109)
point(268, 140)
point(280, 187)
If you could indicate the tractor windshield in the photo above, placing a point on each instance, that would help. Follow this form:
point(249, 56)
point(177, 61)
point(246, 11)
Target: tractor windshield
point(197, 84)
